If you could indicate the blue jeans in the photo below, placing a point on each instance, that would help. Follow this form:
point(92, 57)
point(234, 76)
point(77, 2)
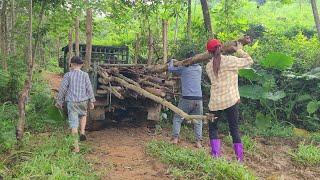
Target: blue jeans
point(191, 107)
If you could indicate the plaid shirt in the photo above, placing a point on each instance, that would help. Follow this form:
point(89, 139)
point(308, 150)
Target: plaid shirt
point(224, 91)
point(75, 87)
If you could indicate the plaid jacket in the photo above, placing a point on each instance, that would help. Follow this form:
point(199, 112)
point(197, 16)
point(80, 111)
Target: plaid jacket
point(224, 91)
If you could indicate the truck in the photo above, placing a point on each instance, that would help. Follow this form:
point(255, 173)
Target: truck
point(107, 107)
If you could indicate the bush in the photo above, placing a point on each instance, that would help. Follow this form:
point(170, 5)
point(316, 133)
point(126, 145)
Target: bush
point(8, 117)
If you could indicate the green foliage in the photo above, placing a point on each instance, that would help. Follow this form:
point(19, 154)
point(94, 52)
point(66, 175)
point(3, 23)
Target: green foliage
point(315, 137)
point(275, 130)
point(41, 111)
point(190, 164)
point(250, 145)
point(49, 157)
point(308, 155)
point(277, 61)
point(313, 106)
point(8, 116)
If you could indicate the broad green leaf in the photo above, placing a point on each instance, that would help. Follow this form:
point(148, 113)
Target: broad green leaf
point(251, 91)
point(312, 107)
point(277, 61)
point(274, 96)
point(262, 121)
point(249, 74)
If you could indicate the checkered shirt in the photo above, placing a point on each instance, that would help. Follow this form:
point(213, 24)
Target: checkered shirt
point(224, 91)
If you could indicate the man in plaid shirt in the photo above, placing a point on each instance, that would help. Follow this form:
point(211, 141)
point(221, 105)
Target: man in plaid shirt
point(224, 94)
point(76, 90)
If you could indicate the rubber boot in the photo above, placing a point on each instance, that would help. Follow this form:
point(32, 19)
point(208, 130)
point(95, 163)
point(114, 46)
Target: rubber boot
point(215, 147)
point(238, 150)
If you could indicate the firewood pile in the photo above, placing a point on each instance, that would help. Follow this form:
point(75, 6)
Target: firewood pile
point(122, 80)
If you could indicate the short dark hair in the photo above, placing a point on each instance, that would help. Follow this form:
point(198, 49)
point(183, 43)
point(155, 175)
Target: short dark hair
point(76, 60)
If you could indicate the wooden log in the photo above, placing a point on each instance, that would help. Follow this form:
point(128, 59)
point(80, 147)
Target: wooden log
point(123, 65)
point(158, 68)
point(144, 82)
point(158, 80)
point(112, 90)
point(155, 91)
point(159, 100)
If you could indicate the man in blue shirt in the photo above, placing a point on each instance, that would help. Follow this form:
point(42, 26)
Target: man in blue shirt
point(191, 100)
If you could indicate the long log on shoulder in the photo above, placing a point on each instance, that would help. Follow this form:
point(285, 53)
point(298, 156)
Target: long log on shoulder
point(159, 100)
point(159, 68)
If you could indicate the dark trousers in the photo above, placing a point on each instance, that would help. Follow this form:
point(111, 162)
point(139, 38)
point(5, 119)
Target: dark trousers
point(232, 114)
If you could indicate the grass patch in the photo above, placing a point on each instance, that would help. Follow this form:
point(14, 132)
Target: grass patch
point(46, 156)
point(276, 130)
point(191, 164)
point(308, 155)
point(249, 144)
point(315, 137)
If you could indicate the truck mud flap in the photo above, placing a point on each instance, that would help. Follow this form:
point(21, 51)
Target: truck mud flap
point(154, 112)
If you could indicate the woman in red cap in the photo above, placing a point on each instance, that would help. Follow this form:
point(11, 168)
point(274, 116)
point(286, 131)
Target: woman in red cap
point(224, 94)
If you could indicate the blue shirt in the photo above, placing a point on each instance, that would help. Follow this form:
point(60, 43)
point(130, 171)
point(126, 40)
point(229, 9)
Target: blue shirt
point(190, 79)
point(75, 87)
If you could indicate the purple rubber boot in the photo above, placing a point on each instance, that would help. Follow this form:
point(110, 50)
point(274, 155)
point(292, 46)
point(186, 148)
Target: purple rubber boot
point(238, 150)
point(215, 147)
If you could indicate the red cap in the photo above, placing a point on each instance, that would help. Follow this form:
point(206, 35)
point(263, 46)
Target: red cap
point(212, 44)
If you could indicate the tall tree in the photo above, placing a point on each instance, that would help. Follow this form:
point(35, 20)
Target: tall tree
point(89, 37)
point(165, 40)
point(316, 16)
point(13, 22)
point(206, 17)
point(4, 35)
point(176, 28)
point(136, 48)
point(150, 45)
point(189, 21)
point(77, 34)
point(27, 85)
point(70, 47)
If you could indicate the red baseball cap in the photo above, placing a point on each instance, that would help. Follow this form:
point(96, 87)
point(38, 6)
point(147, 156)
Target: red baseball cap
point(212, 44)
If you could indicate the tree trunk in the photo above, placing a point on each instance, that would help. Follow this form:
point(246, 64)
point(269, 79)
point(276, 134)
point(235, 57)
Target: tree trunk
point(89, 38)
point(165, 40)
point(4, 37)
point(13, 22)
point(70, 47)
point(77, 36)
point(206, 17)
point(136, 48)
point(150, 46)
point(176, 28)
point(27, 86)
point(39, 35)
point(189, 21)
point(316, 16)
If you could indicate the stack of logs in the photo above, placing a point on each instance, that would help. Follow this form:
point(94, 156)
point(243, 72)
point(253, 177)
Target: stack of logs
point(136, 75)
point(121, 80)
